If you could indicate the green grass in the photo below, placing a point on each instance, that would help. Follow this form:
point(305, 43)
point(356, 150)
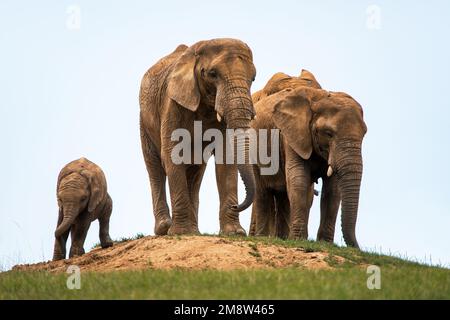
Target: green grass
point(400, 279)
point(410, 282)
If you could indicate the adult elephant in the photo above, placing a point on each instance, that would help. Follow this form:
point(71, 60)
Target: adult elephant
point(207, 82)
point(321, 137)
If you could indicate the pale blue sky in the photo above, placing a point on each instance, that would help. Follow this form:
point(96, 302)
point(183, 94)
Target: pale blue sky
point(70, 93)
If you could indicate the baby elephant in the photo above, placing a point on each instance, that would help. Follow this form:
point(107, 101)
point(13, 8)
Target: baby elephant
point(82, 198)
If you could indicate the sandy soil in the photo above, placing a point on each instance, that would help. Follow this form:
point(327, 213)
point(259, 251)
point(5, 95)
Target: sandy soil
point(189, 252)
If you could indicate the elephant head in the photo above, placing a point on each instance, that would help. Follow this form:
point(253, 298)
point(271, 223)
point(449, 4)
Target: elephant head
point(79, 189)
point(331, 125)
point(281, 81)
point(218, 74)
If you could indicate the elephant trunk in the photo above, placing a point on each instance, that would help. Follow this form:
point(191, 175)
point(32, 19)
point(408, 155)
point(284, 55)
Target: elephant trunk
point(234, 101)
point(70, 213)
point(349, 167)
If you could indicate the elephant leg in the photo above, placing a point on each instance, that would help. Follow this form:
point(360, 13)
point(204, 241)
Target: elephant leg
point(226, 178)
point(299, 188)
point(258, 204)
point(329, 206)
point(252, 231)
point(183, 210)
point(78, 236)
point(194, 176)
point(264, 208)
point(157, 178)
point(105, 239)
point(282, 214)
point(59, 251)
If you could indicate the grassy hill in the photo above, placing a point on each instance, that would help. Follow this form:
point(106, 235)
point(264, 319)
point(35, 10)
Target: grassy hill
point(210, 267)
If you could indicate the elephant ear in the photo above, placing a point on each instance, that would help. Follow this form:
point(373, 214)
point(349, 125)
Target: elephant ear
point(308, 76)
point(182, 86)
point(276, 83)
point(292, 115)
point(258, 95)
point(97, 183)
point(62, 174)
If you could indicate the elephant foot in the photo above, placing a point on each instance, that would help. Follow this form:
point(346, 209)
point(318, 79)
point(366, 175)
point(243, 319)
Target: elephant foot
point(179, 230)
point(297, 236)
point(233, 229)
point(325, 237)
point(162, 226)
point(298, 231)
point(262, 234)
point(106, 242)
point(75, 252)
point(58, 256)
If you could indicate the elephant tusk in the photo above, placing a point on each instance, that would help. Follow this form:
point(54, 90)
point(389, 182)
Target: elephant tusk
point(330, 171)
point(219, 118)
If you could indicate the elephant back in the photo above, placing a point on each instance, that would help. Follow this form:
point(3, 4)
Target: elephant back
point(80, 165)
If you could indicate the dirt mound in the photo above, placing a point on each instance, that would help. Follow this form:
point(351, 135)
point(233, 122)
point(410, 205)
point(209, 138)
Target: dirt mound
point(189, 252)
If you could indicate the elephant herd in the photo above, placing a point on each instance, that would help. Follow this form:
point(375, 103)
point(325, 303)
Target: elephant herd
point(210, 82)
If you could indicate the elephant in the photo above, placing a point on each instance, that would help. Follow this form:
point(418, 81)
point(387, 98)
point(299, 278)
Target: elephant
point(210, 82)
point(280, 81)
point(321, 137)
point(82, 198)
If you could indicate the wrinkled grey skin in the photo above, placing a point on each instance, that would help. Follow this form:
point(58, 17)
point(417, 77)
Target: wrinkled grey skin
point(82, 198)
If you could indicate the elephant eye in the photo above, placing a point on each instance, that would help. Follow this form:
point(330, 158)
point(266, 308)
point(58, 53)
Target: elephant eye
point(329, 134)
point(212, 73)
